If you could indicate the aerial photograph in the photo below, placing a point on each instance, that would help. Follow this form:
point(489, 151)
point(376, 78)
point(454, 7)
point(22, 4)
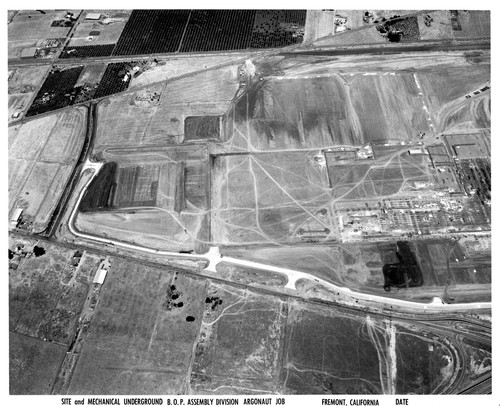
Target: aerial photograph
point(223, 202)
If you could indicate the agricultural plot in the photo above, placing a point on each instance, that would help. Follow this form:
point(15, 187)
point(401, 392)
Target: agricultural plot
point(152, 31)
point(277, 28)
point(42, 154)
point(33, 364)
point(87, 51)
point(218, 30)
point(47, 291)
point(29, 27)
point(268, 198)
point(57, 91)
point(114, 80)
point(142, 334)
point(407, 26)
point(240, 343)
point(341, 353)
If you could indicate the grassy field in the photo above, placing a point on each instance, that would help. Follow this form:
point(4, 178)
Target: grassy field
point(41, 157)
point(138, 343)
point(240, 343)
point(33, 365)
point(46, 293)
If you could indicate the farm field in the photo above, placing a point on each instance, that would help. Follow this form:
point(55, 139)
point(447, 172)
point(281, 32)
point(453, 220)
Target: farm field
point(28, 27)
point(278, 28)
point(33, 364)
point(240, 343)
point(57, 91)
point(42, 154)
point(319, 24)
point(152, 31)
point(218, 30)
point(142, 334)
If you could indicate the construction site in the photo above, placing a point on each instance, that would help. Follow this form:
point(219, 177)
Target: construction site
point(200, 199)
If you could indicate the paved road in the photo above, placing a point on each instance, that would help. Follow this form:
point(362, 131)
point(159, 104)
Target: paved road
point(214, 257)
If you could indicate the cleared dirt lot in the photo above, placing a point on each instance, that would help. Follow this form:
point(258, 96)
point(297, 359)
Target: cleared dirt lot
point(41, 157)
point(139, 342)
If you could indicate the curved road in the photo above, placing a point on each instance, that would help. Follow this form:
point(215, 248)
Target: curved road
point(214, 257)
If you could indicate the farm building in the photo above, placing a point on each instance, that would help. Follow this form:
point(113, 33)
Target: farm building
point(28, 53)
point(417, 151)
point(14, 220)
point(92, 16)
